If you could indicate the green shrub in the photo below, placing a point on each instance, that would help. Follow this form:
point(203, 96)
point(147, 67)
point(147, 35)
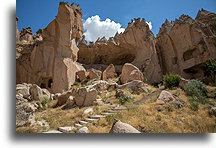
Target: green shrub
point(123, 100)
point(44, 99)
point(194, 106)
point(197, 89)
point(75, 83)
point(171, 80)
point(210, 68)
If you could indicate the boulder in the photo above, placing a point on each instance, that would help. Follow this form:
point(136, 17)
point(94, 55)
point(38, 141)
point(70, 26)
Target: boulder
point(23, 90)
point(136, 75)
point(120, 127)
point(47, 93)
point(212, 111)
point(80, 96)
point(62, 99)
point(135, 85)
point(183, 82)
point(90, 97)
point(94, 74)
point(83, 130)
point(130, 73)
point(165, 96)
point(70, 103)
point(36, 92)
point(66, 129)
point(81, 75)
point(109, 72)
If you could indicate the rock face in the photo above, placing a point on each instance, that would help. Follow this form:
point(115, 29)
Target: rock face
point(130, 73)
point(51, 63)
point(120, 127)
point(136, 45)
point(186, 44)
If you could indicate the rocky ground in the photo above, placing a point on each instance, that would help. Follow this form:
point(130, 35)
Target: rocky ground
point(105, 106)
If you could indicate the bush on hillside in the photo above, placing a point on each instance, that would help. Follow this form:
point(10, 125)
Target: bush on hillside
point(196, 89)
point(171, 80)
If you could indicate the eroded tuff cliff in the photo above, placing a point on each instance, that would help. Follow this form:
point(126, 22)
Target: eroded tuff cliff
point(51, 62)
point(135, 45)
point(186, 44)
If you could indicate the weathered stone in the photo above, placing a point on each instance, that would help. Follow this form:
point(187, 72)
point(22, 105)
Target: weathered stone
point(135, 85)
point(120, 127)
point(135, 45)
point(109, 72)
point(36, 92)
point(81, 75)
point(88, 111)
point(102, 85)
point(90, 97)
point(80, 96)
point(94, 74)
point(166, 96)
point(130, 73)
point(51, 63)
point(83, 130)
point(183, 82)
point(66, 129)
point(70, 103)
point(212, 111)
point(186, 44)
point(62, 99)
point(23, 89)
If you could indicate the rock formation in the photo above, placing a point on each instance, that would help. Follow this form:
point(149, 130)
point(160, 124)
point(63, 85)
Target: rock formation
point(51, 63)
point(136, 45)
point(120, 127)
point(186, 44)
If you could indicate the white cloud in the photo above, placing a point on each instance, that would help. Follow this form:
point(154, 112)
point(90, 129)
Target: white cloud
point(94, 27)
point(150, 25)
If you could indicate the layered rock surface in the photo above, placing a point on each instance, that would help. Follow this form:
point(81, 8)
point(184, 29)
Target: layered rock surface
point(186, 44)
point(51, 63)
point(136, 45)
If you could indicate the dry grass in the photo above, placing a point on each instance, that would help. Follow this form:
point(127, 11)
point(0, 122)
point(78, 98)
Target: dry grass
point(153, 118)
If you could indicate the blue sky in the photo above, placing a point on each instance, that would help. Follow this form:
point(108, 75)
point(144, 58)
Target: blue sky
point(39, 13)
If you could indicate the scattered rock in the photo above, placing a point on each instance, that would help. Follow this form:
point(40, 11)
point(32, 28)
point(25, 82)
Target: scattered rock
point(135, 85)
point(212, 111)
point(120, 127)
point(35, 92)
point(62, 99)
point(129, 73)
point(183, 82)
point(165, 96)
point(88, 111)
point(90, 97)
point(94, 74)
point(66, 129)
point(109, 72)
point(81, 75)
point(83, 130)
point(23, 89)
